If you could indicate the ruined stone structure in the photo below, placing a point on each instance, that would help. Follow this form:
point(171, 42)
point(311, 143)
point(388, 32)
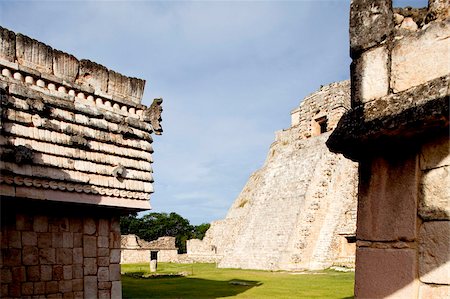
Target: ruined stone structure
point(75, 148)
point(136, 250)
point(398, 131)
point(299, 210)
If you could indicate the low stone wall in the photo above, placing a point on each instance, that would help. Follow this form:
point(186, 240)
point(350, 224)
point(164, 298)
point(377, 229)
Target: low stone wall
point(46, 254)
point(136, 250)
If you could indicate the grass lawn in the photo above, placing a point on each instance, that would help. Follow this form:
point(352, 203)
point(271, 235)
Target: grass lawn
point(206, 281)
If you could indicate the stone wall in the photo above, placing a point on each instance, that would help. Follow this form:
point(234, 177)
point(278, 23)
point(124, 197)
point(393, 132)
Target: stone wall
point(291, 213)
point(75, 154)
point(398, 131)
point(136, 250)
point(52, 252)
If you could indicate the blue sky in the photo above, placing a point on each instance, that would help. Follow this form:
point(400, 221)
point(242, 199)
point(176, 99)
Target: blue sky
point(229, 72)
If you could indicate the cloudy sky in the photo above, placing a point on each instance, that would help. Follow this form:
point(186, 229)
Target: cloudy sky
point(230, 72)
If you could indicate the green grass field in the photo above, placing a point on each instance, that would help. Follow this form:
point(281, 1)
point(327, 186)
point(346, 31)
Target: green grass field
point(206, 281)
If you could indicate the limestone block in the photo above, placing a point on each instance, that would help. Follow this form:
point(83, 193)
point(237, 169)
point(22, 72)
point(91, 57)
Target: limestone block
point(14, 290)
point(90, 287)
point(103, 274)
point(77, 239)
point(6, 275)
point(103, 252)
point(116, 289)
point(65, 66)
point(40, 224)
point(68, 240)
point(104, 294)
point(435, 154)
point(7, 44)
point(114, 272)
point(18, 274)
point(77, 284)
point(125, 87)
point(434, 202)
point(434, 252)
point(115, 256)
point(39, 288)
point(385, 273)
point(57, 240)
point(68, 272)
point(370, 23)
point(30, 255)
point(90, 266)
point(370, 75)
point(434, 291)
point(58, 272)
point(103, 227)
point(46, 273)
point(89, 246)
point(33, 273)
point(421, 57)
point(77, 271)
point(11, 257)
point(34, 54)
point(103, 261)
point(44, 240)
point(92, 75)
point(388, 199)
point(65, 286)
point(103, 241)
point(27, 288)
point(89, 226)
point(51, 287)
point(78, 255)
point(47, 256)
point(14, 239)
point(24, 222)
point(29, 239)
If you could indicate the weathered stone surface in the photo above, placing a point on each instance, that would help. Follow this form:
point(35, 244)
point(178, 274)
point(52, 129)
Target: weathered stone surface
point(47, 256)
point(434, 202)
point(391, 122)
point(90, 287)
point(29, 239)
point(438, 10)
point(89, 246)
point(92, 75)
point(90, 266)
point(116, 289)
point(434, 291)
point(371, 22)
point(421, 57)
point(7, 44)
point(435, 154)
point(114, 272)
point(40, 224)
point(103, 274)
point(34, 54)
point(385, 273)
point(434, 252)
point(387, 203)
point(65, 66)
point(30, 255)
point(370, 76)
point(46, 273)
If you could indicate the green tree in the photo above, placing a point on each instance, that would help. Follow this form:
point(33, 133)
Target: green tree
point(154, 225)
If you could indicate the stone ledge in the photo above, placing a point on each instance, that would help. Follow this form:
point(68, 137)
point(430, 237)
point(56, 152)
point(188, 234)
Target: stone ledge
point(393, 120)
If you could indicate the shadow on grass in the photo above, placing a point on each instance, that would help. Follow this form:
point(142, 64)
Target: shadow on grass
point(183, 287)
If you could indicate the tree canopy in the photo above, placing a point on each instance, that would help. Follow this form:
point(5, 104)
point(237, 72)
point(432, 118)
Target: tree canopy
point(154, 225)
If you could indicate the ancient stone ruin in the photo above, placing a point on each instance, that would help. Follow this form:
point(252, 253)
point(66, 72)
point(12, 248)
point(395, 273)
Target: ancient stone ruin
point(398, 131)
point(136, 250)
point(299, 210)
point(75, 148)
